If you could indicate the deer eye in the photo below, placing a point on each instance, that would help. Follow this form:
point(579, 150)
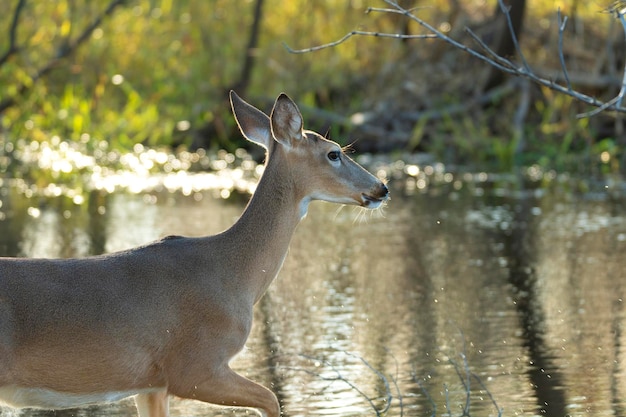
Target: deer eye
point(334, 155)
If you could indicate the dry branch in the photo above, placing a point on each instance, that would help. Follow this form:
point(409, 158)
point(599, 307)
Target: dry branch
point(487, 55)
point(338, 376)
point(357, 33)
point(332, 373)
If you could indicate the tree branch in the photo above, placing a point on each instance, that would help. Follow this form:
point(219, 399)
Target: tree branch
point(13, 48)
point(490, 57)
point(64, 51)
point(356, 33)
point(562, 23)
point(68, 49)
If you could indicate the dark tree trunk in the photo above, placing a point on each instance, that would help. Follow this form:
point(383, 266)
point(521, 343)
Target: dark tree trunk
point(250, 53)
point(217, 133)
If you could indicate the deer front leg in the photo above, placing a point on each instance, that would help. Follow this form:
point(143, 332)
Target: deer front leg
point(230, 389)
point(153, 404)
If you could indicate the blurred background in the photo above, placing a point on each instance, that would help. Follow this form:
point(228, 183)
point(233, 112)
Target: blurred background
point(157, 73)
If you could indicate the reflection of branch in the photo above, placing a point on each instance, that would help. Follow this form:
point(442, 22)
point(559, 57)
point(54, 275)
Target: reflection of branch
point(462, 370)
point(63, 52)
point(465, 376)
point(487, 55)
point(419, 383)
point(394, 379)
point(339, 377)
point(12, 49)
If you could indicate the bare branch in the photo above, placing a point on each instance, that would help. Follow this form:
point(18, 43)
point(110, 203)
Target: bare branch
point(492, 58)
point(507, 15)
point(562, 23)
point(617, 101)
point(501, 63)
point(13, 48)
point(521, 72)
point(622, 91)
point(356, 33)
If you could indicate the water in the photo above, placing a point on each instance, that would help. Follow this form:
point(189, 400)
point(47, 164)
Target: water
point(471, 296)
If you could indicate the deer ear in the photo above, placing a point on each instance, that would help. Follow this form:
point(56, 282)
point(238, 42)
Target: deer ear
point(286, 120)
point(253, 123)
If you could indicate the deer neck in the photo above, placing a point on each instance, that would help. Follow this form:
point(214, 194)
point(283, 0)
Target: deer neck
point(261, 236)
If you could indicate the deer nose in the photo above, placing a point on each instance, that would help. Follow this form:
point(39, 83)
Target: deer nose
point(384, 191)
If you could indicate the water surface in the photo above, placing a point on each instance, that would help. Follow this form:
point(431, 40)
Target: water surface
point(467, 296)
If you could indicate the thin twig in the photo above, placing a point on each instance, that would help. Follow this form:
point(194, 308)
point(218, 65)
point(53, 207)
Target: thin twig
point(622, 90)
point(493, 400)
point(491, 58)
point(617, 101)
point(465, 380)
point(562, 23)
point(381, 376)
point(394, 379)
point(599, 109)
point(356, 33)
point(424, 391)
point(339, 377)
point(518, 49)
point(503, 64)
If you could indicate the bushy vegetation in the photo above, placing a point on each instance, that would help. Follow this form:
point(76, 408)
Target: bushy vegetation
point(153, 68)
point(157, 73)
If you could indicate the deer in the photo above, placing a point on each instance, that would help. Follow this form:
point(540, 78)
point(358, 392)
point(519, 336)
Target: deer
point(165, 319)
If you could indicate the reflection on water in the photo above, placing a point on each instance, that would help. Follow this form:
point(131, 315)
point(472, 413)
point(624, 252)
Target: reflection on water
point(514, 296)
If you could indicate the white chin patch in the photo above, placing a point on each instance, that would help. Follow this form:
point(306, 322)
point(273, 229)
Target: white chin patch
point(370, 202)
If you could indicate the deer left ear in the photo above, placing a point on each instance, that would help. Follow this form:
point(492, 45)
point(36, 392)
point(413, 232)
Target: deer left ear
point(286, 120)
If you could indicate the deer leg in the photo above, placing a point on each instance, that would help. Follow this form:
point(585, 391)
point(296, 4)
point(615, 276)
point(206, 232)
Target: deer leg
point(230, 389)
point(153, 404)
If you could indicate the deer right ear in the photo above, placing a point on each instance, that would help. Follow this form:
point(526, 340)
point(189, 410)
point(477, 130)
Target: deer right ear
point(286, 121)
point(252, 122)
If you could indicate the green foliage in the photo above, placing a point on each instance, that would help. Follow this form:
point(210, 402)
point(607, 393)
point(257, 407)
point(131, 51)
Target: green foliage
point(155, 64)
point(607, 151)
point(156, 70)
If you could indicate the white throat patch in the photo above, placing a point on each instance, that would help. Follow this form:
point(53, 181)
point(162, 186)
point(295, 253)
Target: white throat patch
point(304, 207)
